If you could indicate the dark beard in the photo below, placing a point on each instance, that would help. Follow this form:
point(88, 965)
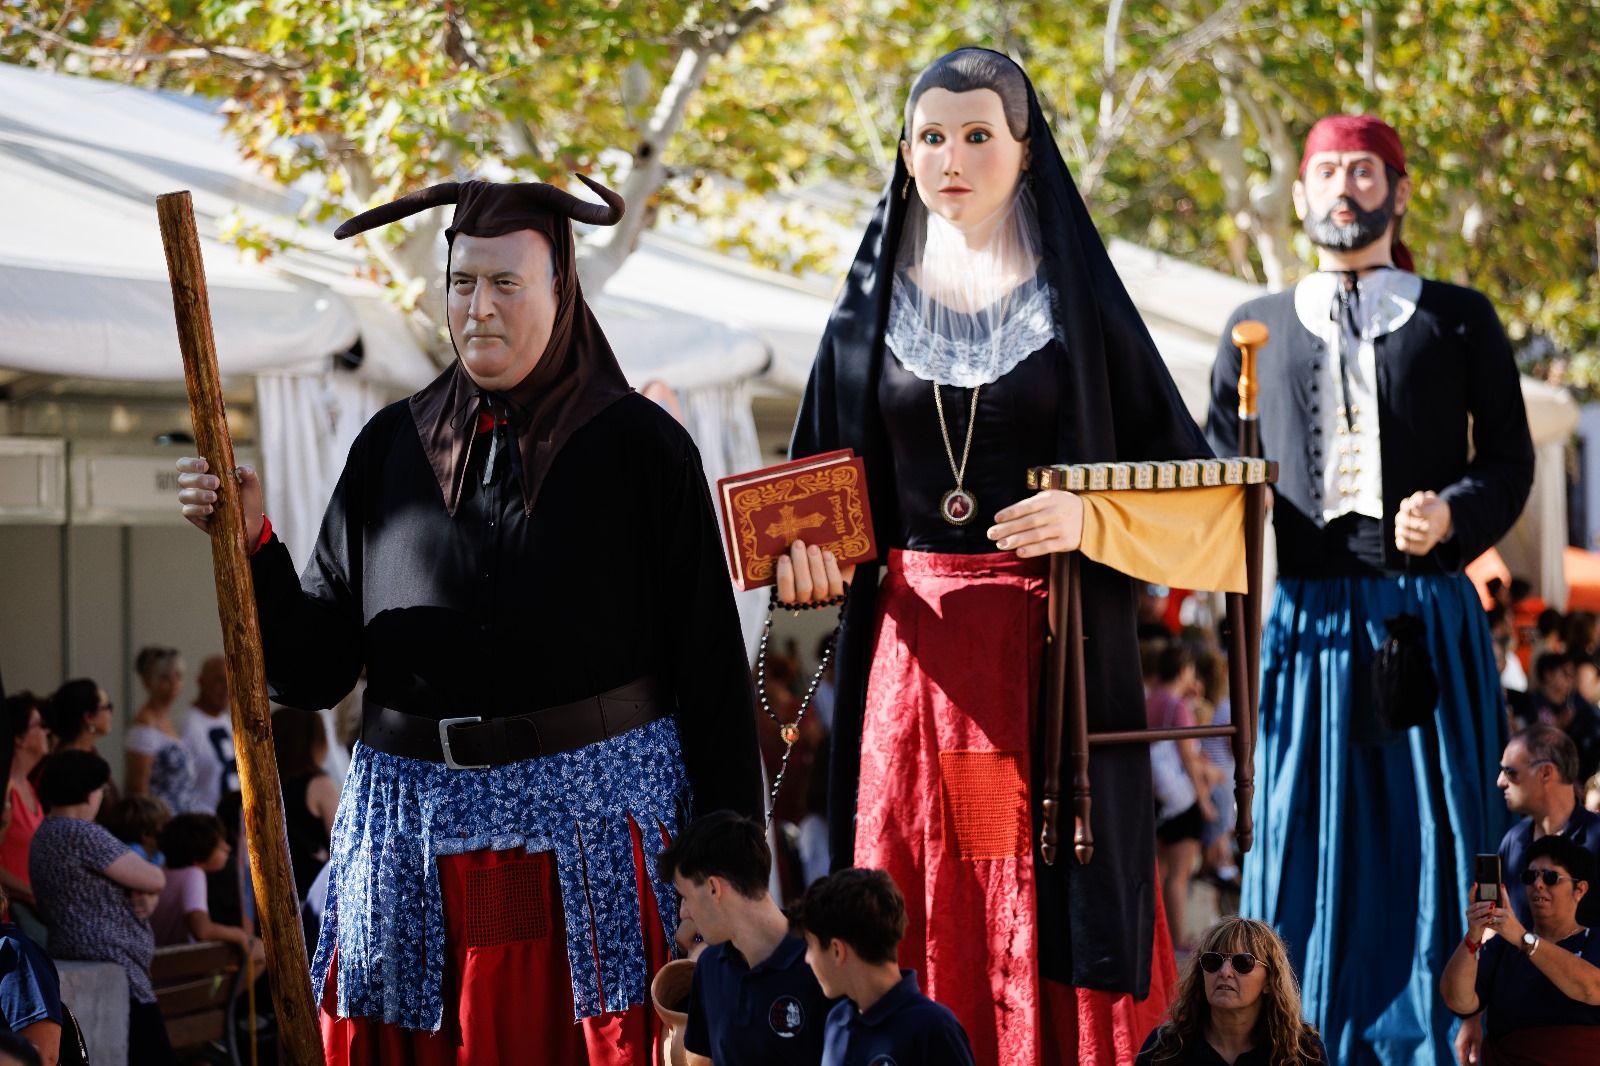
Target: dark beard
point(1364, 229)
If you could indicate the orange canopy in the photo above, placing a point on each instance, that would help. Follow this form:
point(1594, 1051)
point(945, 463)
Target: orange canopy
point(1583, 580)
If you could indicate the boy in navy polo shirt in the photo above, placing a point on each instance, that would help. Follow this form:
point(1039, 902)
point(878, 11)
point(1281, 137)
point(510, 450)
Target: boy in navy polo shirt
point(754, 999)
point(853, 921)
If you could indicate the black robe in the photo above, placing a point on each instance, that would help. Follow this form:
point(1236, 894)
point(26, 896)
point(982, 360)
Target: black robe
point(616, 573)
point(1445, 378)
point(1116, 402)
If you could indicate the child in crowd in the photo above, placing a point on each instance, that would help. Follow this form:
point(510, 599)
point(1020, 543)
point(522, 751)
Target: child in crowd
point(852, 922)
point(137, 822)
point(754, 1000)
point(194, 845)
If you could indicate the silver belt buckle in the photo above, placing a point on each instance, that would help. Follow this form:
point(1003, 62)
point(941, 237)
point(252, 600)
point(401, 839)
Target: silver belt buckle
point(444, 743)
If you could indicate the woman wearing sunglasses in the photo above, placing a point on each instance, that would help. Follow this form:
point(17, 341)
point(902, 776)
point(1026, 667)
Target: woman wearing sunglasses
point(1237, 1005)
point(1540, 988)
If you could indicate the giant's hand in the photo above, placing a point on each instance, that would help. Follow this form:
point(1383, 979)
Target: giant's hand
point(1422, 521)
point(197, 494)
point(1048, 521)
point(809, 574)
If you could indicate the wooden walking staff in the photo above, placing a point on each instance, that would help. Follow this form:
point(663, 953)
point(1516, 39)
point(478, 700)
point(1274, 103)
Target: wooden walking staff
point(276, 900)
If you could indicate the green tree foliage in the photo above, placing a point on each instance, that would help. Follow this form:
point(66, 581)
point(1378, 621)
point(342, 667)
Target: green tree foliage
point(1183, 120)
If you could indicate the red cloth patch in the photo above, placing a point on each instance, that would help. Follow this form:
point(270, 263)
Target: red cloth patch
point(507, 903)
point(985, 797)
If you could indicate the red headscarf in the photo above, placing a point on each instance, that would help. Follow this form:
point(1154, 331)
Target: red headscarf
point(1361, 133)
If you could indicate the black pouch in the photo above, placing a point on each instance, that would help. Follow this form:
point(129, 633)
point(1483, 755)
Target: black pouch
point(1405, 689)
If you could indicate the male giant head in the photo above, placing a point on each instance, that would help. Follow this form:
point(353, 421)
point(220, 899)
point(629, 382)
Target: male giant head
point(1353, 188)
point(530, 355)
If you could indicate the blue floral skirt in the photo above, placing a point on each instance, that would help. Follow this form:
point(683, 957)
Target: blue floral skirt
point(397, 816)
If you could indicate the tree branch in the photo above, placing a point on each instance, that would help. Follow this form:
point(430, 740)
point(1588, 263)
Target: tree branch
point(1108, 62)
point(604, 254)
point(881, 155)
point(1264, 217)
point(1156, 76)
point(195, 51)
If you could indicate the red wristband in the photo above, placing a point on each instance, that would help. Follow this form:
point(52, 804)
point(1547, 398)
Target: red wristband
point(1471, 946)
point(266, 535)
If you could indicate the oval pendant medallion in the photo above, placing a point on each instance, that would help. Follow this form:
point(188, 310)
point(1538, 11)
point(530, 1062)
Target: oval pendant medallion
point(958, 507)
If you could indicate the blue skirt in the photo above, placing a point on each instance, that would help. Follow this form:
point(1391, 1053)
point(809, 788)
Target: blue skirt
point(1365, 837)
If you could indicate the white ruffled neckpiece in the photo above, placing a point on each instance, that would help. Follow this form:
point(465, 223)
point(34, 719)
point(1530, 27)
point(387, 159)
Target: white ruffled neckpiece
point(956, 315)
point(984, 356)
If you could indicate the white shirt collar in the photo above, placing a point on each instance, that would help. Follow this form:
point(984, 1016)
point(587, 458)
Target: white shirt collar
point(1388, 300)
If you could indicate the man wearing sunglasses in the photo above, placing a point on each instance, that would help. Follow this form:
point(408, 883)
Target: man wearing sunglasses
point(1538, 772)
point(1539, 989)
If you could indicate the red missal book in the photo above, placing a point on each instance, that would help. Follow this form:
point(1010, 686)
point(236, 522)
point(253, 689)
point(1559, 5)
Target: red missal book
point(821, 500)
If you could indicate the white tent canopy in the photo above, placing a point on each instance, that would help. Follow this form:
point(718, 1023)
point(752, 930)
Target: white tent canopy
point(786, 316)
point(81, 262)
point(84, 278)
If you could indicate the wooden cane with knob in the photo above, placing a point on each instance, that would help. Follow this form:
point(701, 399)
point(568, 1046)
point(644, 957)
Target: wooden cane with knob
point(1249, 337)
point(1244, 612)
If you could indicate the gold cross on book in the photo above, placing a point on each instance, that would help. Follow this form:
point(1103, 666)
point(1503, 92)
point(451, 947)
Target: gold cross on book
point(788, 527)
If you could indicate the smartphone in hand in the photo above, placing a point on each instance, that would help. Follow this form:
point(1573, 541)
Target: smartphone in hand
point(1486, 872)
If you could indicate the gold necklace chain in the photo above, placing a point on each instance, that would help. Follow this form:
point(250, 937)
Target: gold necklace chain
point(944, 433)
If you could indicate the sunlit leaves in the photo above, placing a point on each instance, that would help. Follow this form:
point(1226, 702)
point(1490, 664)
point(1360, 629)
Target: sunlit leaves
point(1496, 99)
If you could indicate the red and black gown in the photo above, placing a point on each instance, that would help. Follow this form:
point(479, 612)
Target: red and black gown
point(938, 670)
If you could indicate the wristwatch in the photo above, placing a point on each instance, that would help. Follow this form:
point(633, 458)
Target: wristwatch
point(1530, 943)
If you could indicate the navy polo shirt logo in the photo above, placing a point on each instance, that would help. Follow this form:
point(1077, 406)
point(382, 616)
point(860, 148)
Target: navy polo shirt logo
point(786, 1017)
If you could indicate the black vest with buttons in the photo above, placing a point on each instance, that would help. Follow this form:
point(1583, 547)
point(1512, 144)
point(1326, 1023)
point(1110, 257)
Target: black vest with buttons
point(1450, 415)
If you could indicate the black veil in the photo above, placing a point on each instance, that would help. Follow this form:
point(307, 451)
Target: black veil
point(1118, 402)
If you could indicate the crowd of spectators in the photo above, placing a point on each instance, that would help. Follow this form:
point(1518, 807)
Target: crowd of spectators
point(93, 873)
point(1550, 671)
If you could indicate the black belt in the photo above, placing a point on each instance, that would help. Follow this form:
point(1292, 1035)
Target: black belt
point(474, 743)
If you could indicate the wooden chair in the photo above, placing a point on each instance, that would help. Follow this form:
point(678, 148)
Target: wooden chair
point(1066, 718)
point(198, 988)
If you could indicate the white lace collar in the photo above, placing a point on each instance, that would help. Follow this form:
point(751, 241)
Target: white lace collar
point(979, 359)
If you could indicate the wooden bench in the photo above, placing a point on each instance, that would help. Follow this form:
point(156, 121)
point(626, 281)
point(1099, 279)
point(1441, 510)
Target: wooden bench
point(197, 987)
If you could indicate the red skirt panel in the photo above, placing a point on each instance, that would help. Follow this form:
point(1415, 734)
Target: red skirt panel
point(945, 806)
point(507, 983)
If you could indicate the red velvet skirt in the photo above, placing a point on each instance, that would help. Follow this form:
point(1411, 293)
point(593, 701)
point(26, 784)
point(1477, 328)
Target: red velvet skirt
point(944, 806)
point(507, 985)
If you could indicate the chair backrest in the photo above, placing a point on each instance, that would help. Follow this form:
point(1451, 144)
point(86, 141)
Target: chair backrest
point(195, 987)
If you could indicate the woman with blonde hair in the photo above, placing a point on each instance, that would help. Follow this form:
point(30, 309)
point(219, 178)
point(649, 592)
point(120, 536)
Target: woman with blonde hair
point(158, 763)
point(1238, 1002)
